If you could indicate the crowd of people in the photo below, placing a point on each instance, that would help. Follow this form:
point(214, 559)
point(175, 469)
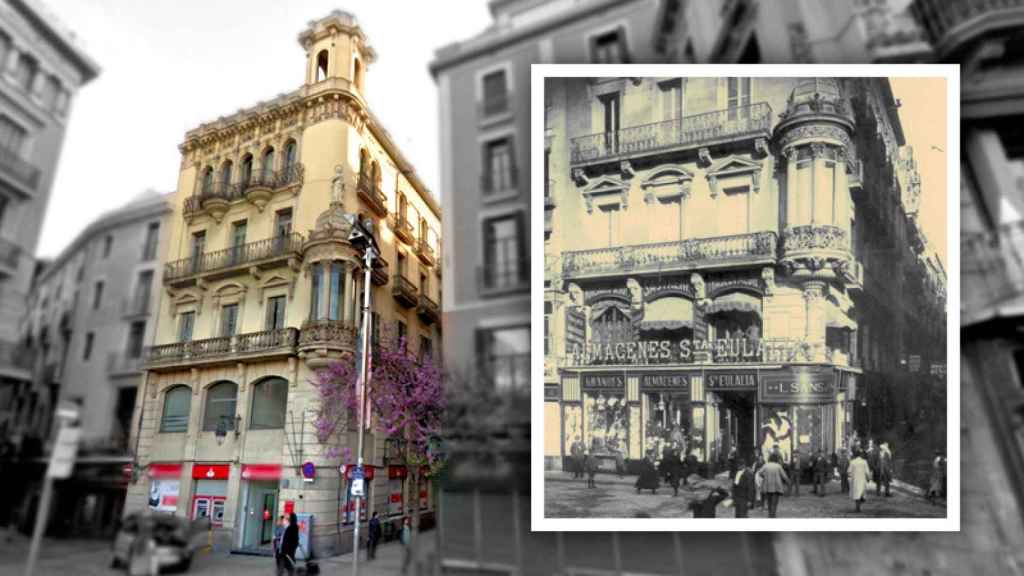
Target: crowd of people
point(762, 480)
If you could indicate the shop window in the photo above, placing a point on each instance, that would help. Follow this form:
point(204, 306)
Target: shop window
point(177, 405)
point(221, 399)
point(269, 402)
point(606, 421)
point(396, 490)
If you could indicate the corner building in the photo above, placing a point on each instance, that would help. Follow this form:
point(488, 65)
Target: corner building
point(262, 289)
point(727, 257)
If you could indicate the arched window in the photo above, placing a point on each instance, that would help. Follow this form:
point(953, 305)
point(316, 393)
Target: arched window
point(321, 65)
point(177, 405)
point(221, 399)
point(291, 152)
point(268, 164)
point(207, 186)
point(269, 401)
point(246, 175)
point(225, 174)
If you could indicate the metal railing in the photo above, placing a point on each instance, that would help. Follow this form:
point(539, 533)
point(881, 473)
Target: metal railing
point(16, 355)
point(404, 289)
point(425, 250)
point(287, 176)
point(402, 227)
point(428, 306)
point(940, 18)
point(24, 172)
point(991, 270)
point(667, 255)
point(728, 123)
point(244, 254)
point(372, 194)
point(223, 346)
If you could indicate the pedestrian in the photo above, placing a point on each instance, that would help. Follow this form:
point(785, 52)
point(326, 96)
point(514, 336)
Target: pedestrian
point(821, 470)
point(576, 458)
point(674, 469)
point(648, 479)
point(279, 529)
point(289, 544)
point(872, 459)
point(795, 471)
point(859, 472)
point(843, 464)
point(759, 480)
point(373, 538)
point(733, 463)
point(775, 481)
point(405, 537)
point(706, 508)
point(884, 468)
point(620, 459)
point(938, 476)
point(590, 467)
point(744, 490)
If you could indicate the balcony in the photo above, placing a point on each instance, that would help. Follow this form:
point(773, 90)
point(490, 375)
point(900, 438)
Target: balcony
point(213, 200)
point(701, 130)
point(23, 175)
point(223, 349)
point(991, 272)
point(10, 255)
point(816, 242)
point(379, 274)
point(136, 306)
point(370, 194)
point(950, 24)
point(402, 228)
point(425, 252)
point(262, 254)
point(428, 310)
point(123, 364)
point(719, 252)
point(16, 360)
point(505, 277)
point(404, 291)
point(324, 341)
point(853, 275)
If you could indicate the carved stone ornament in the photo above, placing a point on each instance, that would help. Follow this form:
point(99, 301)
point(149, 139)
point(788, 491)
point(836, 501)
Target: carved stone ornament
point(699, 289)
point(575, 294)
point(704, 156)
point(667, 182)
point(818, 150)
point(580, 177)
point(768, 278)
point(713, 185)
point(815, 132)
point(761, 147)
point(626, 169)
point(636, 293)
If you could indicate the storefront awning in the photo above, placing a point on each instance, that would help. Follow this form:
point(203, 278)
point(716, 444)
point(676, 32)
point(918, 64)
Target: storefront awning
point(164, 471)
point(735, 302)
point(669, 313)
point(261, 472)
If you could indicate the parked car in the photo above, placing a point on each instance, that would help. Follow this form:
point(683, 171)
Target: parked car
point(175, 540)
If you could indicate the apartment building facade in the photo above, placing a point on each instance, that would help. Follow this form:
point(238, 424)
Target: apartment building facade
point(735, 258)
point(261, 288)
point(41, 69)
point(90, 318)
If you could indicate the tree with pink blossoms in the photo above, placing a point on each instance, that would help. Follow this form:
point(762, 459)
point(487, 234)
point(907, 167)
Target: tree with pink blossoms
point(406, 402)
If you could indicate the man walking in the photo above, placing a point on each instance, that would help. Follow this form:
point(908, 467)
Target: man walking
point(843, 464)
point(795, 470)
point(884, 468)
point(373, 538)
point(576, 458)
point(873, 463)
point(744, 490)
point(821, 469)
point(775, 481)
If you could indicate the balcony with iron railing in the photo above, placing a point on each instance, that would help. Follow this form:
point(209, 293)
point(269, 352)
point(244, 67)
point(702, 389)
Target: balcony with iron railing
point(402, 228)
point(16, 359)
point(379, 274)
point(700, 130)
point(370, 193)
point(215, 197)
point(24, 175)
point(991, 272)
point(950, 24)
point(718, 252)
point(265, 343)
point(428, 310)
point(10, 256)
point(816, 243)
point(404, 291)
point(266, 253)
point(425, 252)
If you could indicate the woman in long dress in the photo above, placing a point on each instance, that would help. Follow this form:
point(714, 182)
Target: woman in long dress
point(859, 473)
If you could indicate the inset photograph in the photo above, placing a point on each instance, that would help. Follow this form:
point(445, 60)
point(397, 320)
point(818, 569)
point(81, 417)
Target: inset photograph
point(744, 301)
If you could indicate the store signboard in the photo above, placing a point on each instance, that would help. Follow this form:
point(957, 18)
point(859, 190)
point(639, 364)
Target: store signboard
point(674, 382)
point(798, 385)
point(575, 329)
point(604, 381)
point(731, 380)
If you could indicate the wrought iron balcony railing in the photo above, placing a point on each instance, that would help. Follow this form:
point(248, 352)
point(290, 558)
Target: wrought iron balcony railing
point(287, 176)
point(223, 348)
point(404, 291)
point(991, 271)
point(689, 131)
point(402, 228)
point(676, 255)
point(425, 252)
point(371, 193)
point(261, 252)
point(18, 169)
point(950, 22)
point(428, 309)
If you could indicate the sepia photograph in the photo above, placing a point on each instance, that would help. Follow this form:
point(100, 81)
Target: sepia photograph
point(745, 298)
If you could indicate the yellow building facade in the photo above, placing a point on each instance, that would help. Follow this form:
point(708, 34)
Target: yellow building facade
point(262, 289)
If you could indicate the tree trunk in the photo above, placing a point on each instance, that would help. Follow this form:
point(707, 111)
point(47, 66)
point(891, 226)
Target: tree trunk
point(414, 475)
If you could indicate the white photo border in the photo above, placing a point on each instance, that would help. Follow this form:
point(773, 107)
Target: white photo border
point(951, 523)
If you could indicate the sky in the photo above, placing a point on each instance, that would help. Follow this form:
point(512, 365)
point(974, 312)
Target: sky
point(170, 65)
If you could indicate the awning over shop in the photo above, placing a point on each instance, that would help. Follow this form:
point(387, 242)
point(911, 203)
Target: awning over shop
point(735, 302)
point(164, 471)
point(669, 313)
point(601, 307)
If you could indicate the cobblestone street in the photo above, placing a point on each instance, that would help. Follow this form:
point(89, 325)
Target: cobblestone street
point(617, 498)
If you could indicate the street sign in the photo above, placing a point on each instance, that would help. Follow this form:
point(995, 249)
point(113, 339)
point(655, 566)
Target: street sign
point(308, 472)
point(357, 487)
point(358, 473)
point(62, 461)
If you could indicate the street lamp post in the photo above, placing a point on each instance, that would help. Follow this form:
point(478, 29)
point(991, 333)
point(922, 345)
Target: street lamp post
point(361, 237)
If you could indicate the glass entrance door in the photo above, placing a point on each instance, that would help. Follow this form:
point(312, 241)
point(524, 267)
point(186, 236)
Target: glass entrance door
point(259, 515)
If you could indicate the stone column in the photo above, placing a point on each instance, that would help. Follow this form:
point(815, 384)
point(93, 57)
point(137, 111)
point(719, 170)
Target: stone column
point(792, 192)
point(817, 165)
point(352, 296)
point(814, 333)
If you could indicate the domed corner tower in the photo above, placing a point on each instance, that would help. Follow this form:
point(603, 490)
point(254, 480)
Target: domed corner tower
point(814, 136)
point(337, 52)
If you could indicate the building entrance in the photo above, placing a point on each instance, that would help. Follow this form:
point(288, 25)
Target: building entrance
point(259, 515)
point(736, 423)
